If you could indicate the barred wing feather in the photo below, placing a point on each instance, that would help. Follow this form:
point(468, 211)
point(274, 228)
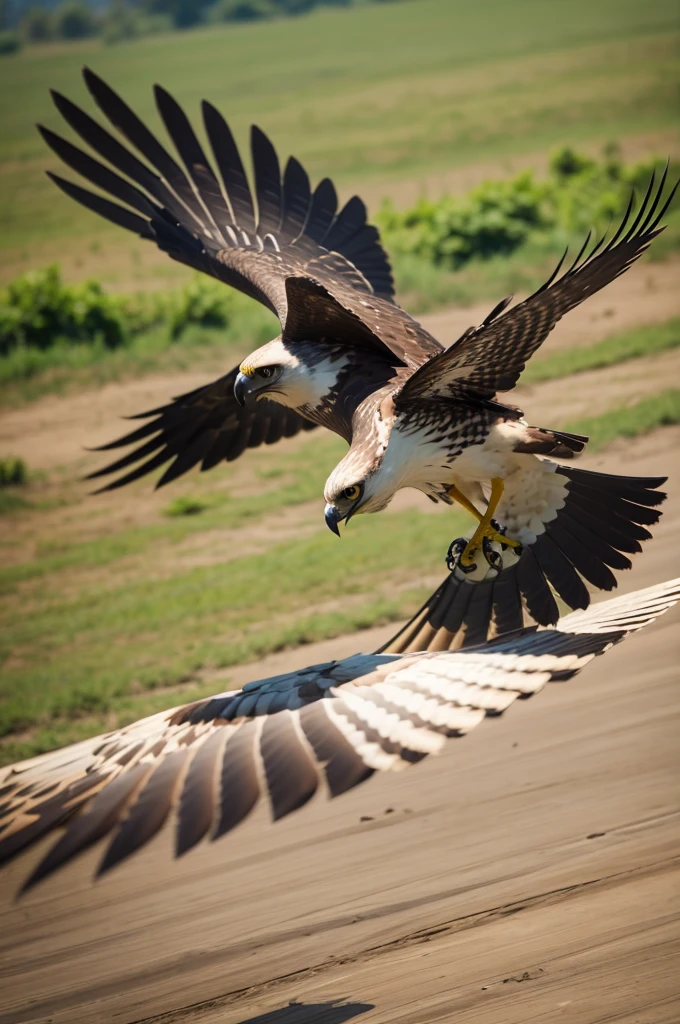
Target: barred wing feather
point(208, 763)
point(491, 357)
point(254, 239)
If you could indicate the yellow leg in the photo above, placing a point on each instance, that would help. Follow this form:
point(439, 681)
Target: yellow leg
point(485, 529)
point(458, 496)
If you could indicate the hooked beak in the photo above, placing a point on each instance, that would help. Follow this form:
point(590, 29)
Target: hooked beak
point(333, 517)
point(243, 388)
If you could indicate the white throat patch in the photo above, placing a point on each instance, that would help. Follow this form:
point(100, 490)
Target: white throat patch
point(301, 385)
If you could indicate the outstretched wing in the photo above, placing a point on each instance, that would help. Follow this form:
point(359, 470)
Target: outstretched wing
point(490, 358)
point(207, 426)
point(210, 761)
point(252, 241)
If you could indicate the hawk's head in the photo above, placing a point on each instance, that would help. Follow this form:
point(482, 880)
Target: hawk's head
point(367, 478)
point(288, 374)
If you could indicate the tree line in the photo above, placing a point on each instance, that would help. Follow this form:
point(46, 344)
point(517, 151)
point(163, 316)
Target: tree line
point(22, 21)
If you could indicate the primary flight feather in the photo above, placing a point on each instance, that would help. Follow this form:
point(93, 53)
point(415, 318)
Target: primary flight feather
point(208, 763)
point(320, 269)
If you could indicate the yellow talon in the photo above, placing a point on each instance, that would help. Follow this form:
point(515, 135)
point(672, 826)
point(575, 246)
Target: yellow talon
point(500, 538)
point(461, 498)
point(485, 529)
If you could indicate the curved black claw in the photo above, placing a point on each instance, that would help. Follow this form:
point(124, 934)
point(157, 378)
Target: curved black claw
point(456, 549)
point(494, 558)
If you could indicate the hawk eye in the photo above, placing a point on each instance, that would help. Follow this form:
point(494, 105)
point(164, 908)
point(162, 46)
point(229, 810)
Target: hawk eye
point(266, 371)
point(352, 493)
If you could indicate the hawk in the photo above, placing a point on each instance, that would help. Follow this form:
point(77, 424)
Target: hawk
point(321, 270)
point(349, 358)
point(208, 763)
point(442, 429)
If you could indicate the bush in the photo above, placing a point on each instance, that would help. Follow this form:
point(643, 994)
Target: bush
point(495, 218)
point(36, 25)
point(240, 10)
point(13, 472)
point(586, 193)
point(122, 22)
point(74, 19)
point(499, 216)
point(203, 301)
point(185, 506)
point(10, 42)
point(38, 310)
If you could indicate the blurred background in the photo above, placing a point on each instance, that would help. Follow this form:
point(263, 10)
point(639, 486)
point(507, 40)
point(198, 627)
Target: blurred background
point(484, 138)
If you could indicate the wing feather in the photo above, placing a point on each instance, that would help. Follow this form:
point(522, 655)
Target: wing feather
point(199, 797)
point(231, 168)
point(267, 183)
point(204, 426)
point(135, 131)
point(209, 762)
point(196, 162)
point(214, 226)
point(490, 358)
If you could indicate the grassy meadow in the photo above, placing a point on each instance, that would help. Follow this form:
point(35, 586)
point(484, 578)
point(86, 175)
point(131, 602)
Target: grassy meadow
point(382, 97)
point(117, 606)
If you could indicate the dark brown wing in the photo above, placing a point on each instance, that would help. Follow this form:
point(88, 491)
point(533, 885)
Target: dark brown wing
point(205, 426)
point(490, 358)
point(326, 303)
point(210, 762)
point(252, 241)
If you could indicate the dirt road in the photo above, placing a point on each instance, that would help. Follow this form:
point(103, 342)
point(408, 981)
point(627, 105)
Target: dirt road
point(53, 431)
point(525, 875)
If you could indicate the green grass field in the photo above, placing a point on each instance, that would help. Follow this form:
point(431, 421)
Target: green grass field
point(116, 607)
point(102, 630)
point(375, 96)
point(617, 348)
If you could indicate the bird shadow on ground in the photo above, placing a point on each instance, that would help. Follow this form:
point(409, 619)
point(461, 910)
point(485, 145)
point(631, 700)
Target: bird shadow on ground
point(335, 1012)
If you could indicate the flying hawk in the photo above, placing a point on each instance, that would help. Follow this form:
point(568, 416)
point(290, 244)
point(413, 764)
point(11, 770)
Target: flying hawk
point(208, 762)
point(350, 358)
point(442, 429)
point(322, 271)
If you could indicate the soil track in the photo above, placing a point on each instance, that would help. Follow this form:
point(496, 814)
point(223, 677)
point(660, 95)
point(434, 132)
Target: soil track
point(524, 876)
point(52, 431)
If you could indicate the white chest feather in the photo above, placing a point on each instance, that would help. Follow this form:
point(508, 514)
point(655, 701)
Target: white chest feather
point(413, 460)
point(533, 492)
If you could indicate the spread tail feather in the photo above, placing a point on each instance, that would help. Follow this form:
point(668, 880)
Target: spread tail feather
point(603, 516)
point(558, 443)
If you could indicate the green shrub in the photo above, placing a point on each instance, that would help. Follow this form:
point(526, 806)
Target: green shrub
point(587, 193)
point(37, 309)
point(74, 19)
point(13, 471)
point(37, 25)
point(497, 217)
point(185, 506)
point(203, 301)
point(240, 10)
point(10, 42)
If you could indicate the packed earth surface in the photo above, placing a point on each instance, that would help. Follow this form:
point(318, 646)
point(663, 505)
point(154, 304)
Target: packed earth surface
point(522, 876)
